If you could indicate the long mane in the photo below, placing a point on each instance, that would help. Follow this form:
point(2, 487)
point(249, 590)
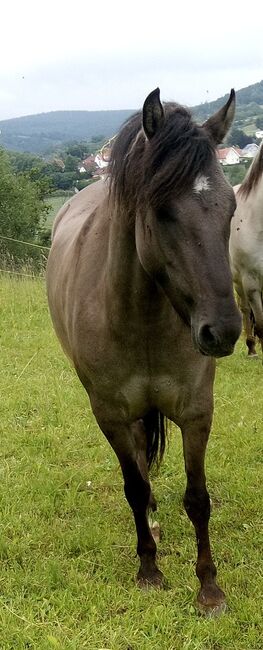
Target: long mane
point(144, 172)
point(253, 174)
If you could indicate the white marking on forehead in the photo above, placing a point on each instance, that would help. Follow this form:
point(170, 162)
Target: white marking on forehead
point(201, 184)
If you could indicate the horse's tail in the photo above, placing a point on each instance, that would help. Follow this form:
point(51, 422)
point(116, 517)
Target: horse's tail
point(156, 430)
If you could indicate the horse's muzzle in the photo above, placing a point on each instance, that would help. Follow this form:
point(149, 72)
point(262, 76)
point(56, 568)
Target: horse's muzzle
point(218, 340)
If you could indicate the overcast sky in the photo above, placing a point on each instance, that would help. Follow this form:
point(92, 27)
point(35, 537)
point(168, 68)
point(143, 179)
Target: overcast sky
point(104, 54)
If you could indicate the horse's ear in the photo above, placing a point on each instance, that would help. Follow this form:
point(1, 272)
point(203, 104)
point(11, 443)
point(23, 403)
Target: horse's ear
point(152, 113)
point(219, 123)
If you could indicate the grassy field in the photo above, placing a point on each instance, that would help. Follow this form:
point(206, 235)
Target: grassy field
point(56, 203)
point(67, 539)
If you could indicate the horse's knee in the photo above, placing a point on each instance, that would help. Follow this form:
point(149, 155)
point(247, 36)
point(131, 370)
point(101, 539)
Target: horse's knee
point(152, 502)
point(259, 330)
point(197, 505)
point(251, 346)
point(137, 491)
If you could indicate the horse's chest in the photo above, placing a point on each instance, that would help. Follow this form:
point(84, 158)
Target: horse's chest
point(134, 370)
point(128, 380)
point(141, 391)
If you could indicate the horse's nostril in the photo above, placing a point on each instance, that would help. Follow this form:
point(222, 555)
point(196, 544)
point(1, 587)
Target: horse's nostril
point(206, 336)
point(215, 341)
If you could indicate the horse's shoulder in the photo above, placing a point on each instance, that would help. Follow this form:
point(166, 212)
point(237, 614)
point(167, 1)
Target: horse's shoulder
point(81, 205)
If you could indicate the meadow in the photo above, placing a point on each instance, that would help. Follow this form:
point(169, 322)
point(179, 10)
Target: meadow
point(67, 538)
point(55, 203)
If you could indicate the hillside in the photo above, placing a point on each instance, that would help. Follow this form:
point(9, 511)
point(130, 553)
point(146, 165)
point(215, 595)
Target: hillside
point(47, 131)
point(249, 103)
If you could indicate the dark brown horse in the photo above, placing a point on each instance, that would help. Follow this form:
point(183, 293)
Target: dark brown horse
point(140, 294)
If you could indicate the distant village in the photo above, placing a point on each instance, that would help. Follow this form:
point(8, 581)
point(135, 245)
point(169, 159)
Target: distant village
point(234, 155)
point(97, 163)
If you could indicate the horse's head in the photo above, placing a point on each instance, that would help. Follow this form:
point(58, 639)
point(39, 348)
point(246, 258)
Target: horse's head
point(183, 215)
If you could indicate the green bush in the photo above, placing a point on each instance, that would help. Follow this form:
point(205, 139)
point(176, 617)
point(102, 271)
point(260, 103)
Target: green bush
point(23, 214)
point(236, 173)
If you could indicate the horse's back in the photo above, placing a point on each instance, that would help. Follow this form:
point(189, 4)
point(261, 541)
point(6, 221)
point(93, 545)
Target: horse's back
point(78, 208)
point(76, 222)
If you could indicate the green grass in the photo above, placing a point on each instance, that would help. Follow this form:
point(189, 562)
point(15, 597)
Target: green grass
point(67, 539)
point(250, 129)
point(56, 203)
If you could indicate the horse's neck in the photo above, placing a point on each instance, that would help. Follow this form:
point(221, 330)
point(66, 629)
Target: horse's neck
point(252, 206)
point(259, 194)
point(128, 286)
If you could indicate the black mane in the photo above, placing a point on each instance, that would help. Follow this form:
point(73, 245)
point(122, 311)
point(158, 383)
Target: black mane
point(148, 171)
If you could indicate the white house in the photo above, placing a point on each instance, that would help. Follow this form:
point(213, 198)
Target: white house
point(102, 158)
point(229, 155)
point(250, 150)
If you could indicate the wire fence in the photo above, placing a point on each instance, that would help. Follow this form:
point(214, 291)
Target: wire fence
point(18, 273)
point(22, 258)
point(20, 241)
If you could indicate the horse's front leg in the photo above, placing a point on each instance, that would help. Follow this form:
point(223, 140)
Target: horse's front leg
point(255, 300)
point(197, 505)
point(125, 440)
point(249, 332)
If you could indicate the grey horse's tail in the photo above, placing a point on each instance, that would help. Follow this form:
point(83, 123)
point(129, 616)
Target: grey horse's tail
point(156, 429)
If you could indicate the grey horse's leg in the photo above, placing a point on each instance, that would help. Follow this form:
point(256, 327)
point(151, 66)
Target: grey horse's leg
point(140, 436)
point(248, 323)
point(255, 300)
point(197, 505)
point(249, 331)
point(129, 448)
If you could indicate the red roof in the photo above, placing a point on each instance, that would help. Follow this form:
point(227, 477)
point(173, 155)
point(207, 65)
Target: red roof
point(222, 153)
point(88, 160)
point(89, 163)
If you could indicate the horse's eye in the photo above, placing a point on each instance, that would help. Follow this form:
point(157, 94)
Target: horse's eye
point(166, 214)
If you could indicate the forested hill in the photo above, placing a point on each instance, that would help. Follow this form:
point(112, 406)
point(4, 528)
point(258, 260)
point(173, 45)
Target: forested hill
point(47, 131)
point(251, 96)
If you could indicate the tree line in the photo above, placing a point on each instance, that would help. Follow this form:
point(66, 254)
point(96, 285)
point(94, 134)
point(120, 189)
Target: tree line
point(26, 183)
point(23, 212)
point(61, 170)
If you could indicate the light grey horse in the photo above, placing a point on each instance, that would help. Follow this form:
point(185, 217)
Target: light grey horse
point(246, 251)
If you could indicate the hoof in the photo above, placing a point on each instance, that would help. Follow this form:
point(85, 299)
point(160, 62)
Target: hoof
point(155, 579)
point(212, 612)
point(211, 601)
